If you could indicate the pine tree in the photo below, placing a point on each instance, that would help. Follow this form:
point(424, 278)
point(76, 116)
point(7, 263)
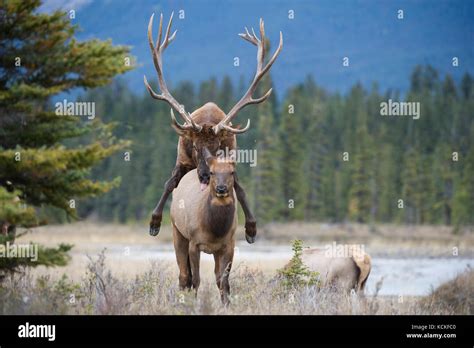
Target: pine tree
point(39, 163)
point(317, 184)
point(412, 186)
point(466, 86)
point(225, 99)
point(292, 149)
point(361, 173)
point(207, 92)
point(361, 176)
point(463, 201)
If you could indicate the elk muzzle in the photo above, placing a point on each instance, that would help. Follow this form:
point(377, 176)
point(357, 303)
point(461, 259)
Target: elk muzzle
point(222, 191)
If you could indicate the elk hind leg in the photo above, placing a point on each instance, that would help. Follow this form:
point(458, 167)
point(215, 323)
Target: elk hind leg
point(170, 185)
point(181, 247)
point(250, 222)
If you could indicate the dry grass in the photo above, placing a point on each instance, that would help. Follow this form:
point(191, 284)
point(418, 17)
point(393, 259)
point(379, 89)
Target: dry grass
point(453, 297)
point(131, 285)
point(155, 291)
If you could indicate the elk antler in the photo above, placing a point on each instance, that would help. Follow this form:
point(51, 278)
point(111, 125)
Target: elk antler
point(157, 51)
point(247, 99)
point(180, 128)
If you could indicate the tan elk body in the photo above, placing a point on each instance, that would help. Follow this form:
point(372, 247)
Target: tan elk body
point(205, 221)
point(341, 273)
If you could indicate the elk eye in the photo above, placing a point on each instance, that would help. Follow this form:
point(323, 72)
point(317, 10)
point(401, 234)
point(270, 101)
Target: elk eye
point(212, 173)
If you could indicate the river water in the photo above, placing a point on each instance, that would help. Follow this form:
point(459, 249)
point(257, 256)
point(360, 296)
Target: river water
point(401, 276)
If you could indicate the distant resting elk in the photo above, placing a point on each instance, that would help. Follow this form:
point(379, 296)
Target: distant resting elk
point(207, 126)
point(205, 221)
point(340, 273)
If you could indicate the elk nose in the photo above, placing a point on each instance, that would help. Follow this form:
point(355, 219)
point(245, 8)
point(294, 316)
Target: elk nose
point(205, 177)
point(221, 189)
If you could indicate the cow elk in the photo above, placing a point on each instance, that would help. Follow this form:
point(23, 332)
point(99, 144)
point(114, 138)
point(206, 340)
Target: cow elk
point(208, 126)
point(339, 273)
point(205, 221)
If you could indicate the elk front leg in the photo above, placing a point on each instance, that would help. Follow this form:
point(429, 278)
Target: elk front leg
point(222, 270)
point(194, 258)
point(170, 185)
point(250, 222)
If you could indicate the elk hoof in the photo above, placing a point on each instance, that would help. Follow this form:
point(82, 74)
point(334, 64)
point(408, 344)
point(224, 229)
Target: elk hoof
point(250, 231)
point(249, 239)
point(154, 230)
point(155, 224)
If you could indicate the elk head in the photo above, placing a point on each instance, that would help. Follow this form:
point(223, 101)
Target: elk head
point(205, 135)
point(221, 182)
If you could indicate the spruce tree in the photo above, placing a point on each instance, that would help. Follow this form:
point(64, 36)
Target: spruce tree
point(225, 99)
point(41, 161)
point(411, 191)
point(361, 163)
point(463, 202)
point(292, 149)
point(361, 176)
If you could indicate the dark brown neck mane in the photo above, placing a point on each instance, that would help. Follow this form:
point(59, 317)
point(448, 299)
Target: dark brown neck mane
point(219, 217)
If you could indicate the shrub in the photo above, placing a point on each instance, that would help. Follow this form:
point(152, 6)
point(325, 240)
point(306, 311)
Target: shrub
point(296, 274)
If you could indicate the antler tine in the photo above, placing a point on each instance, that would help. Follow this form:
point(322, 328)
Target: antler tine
point(157, 51)
point(275, 55)
point(255, 35)
point(237, 130)
point(151, 91)
point(249, 37)
point(179, 126)
point(262, 98)
point(150, 35)
point(247, 31)
point(174, 121)
point(168, 39)
point(160, 32)
point(261, 59)
point(262, 69)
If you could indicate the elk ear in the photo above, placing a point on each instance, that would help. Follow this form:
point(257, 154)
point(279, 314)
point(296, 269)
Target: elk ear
point(208, 157)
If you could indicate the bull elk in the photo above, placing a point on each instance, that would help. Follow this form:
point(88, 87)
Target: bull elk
point(205, 221)
point(208, 126)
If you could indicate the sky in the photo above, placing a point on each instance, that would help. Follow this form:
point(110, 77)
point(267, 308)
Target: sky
point(381, 46)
